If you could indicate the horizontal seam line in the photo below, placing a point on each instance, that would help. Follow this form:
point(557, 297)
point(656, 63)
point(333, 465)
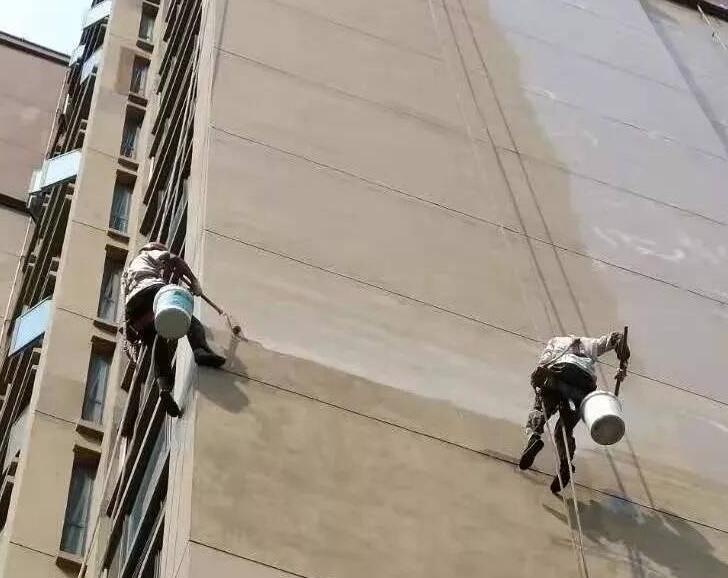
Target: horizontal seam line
point(566, 49)
point(33, 549)
point(56, 417)
point(373, 286)
point(458, 130)
point(493, 455)
point(382, 39)
point(253, 561)
point(513, 230)
point(433, 121)
point(569, 170)
point(439, 308)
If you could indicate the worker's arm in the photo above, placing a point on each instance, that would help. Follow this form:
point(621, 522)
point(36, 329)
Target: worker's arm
point(181, 267)
point(605, 343)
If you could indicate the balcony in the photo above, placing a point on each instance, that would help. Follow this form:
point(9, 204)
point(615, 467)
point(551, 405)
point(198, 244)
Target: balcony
point(91, 65)
point(30, 326)
point(55, 171)
point(97, 13)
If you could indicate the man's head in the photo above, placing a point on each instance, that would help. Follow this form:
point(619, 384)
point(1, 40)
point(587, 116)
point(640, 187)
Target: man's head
point(154, 246)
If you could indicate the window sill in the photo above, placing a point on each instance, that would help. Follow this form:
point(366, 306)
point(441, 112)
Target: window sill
point(106, 325)
point(129, 162)
point(68, 561)
point(145, 44)
point(89, 428)
point(138, 98)
point(118, 235)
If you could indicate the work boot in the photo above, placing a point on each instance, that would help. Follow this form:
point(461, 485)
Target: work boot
point(533, 446)
point(170, 406)
point(207, 358)
point(556, 485)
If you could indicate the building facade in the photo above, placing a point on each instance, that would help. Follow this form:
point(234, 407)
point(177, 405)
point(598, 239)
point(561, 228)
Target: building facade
point(27, 106)
point(401, 202)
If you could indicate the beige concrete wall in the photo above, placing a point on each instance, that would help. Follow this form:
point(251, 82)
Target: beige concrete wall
point(402, 202)
point(27, 107)
point(14, 225)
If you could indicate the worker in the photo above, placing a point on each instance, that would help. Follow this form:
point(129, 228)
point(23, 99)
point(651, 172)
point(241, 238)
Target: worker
point(565, 375)
point(141, 281)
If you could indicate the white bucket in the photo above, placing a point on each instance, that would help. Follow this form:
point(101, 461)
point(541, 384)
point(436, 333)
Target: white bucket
point(173, 307)
point(602, 414)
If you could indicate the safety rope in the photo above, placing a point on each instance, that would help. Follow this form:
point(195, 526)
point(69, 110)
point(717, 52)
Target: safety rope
point(578, 548)
point(714, 31)
point(577, 514)
point(579, 553)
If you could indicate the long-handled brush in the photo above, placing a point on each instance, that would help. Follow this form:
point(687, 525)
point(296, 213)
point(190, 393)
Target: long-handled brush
point(234, 326)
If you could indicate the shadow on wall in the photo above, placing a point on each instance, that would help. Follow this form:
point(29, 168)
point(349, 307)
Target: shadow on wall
point(233, 398)
point(649, 537)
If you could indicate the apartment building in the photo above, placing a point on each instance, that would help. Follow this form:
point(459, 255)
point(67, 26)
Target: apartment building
point(400, 201)
point(27, 106)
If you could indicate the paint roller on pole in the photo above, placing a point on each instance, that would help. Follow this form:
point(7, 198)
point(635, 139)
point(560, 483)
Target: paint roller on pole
point(234, 327)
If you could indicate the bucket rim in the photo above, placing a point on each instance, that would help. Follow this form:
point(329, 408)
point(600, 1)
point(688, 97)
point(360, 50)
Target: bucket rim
point(597, 393)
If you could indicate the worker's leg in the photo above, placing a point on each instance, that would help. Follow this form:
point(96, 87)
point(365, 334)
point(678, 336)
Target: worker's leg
point(565, 445)
point(544, 405)
point(200, 348)
point(165, 376)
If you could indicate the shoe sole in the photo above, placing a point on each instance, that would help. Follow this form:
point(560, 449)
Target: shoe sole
point(529, 454)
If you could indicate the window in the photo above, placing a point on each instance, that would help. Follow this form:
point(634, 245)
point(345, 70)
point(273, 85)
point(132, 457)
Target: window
point(145, 490)
point(120, 205)
point(96, 380)
point(139, 71)
point(146, 27)
point(129, 137)
point(73, 539)
point(110, 290)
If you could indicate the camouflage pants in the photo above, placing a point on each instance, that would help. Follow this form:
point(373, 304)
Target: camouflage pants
point(546, 403)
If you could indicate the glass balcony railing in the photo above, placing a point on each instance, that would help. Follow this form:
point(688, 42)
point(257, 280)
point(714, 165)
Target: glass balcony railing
point(30, 326)
point(91, 64)
point(97, 13)
point(16, 440)
point(76, 54)
point(57, 170)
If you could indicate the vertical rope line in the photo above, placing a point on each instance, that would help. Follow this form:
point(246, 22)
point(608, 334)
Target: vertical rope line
point(580, 562)
point(573, 497)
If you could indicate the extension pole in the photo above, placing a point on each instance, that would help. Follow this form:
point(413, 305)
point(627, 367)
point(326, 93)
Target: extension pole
point(621, 354)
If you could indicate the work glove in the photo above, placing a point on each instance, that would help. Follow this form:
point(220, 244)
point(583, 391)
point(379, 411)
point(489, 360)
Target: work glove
point(623, 348)
point(196, 288)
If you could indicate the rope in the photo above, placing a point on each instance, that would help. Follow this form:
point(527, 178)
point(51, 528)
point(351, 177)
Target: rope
point(580, 559)
point(714, 32)
point(578, 549)
point(577, 515)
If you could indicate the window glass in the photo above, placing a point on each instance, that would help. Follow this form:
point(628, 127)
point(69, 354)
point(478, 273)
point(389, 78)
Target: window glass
point(120, 206)
point(96, 382)
point(73, 539)
point(110, 291)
